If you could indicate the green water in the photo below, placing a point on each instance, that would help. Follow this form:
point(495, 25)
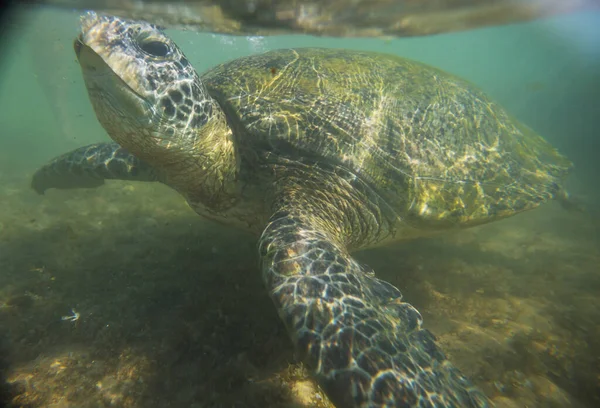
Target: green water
point(171, 307)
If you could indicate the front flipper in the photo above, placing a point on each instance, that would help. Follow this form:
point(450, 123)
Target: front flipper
point(365, 346)
point(89, 166)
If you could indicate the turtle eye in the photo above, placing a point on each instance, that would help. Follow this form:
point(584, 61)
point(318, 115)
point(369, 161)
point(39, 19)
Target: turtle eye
point(155, 48)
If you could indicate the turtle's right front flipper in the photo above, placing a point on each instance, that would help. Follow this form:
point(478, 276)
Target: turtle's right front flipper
point(89, 166)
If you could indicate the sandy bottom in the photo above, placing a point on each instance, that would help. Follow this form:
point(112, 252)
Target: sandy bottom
point(121, 296)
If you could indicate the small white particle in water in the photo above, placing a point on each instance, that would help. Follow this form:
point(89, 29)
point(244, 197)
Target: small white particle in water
point(257, 43)
point(72, 318)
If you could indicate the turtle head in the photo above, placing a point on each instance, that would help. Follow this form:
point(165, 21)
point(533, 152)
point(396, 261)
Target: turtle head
point(151, 101)
point(145, 92)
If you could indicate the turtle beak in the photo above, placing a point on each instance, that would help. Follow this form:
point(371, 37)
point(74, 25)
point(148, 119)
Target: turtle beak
point(77, 46)
point(88, 59)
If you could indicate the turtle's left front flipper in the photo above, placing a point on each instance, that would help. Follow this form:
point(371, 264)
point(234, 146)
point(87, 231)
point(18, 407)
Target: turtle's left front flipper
point(89, 166)
point(366, 346)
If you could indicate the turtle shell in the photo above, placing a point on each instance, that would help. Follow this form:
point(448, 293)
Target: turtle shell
point(431, 145)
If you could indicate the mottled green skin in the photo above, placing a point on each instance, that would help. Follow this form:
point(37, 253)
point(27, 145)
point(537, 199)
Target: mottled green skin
point(89, 166)
point(434, 148)
point(322, 152)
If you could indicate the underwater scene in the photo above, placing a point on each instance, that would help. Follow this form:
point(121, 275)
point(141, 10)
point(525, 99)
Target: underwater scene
point(121, 295)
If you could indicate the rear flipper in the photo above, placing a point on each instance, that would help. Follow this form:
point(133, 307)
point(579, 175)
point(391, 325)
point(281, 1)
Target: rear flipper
point(89, 166)
point(571, 203)
point(364, 344)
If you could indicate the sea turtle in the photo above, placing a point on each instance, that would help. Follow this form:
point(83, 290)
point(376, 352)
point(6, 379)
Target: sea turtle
point(321, 152)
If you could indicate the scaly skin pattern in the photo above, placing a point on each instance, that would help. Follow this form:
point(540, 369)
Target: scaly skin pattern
point(325, 152)
point(89, 166)
point(366, 347)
